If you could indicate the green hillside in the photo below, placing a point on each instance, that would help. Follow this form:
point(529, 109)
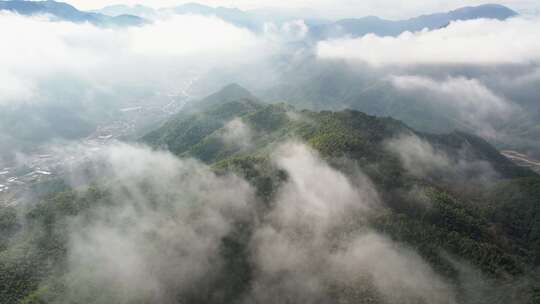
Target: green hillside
point(476, 209)
point(467, 219)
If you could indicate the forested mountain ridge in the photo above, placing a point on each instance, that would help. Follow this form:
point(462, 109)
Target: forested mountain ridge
point(278, 121)
point(470, 213)
point(350, 134)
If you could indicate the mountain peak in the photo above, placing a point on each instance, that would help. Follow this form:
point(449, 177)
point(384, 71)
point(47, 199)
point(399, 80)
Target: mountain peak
point(235, 89)
point(493, 11)
point(373, 25)
point(229, 93)
point(67, 12)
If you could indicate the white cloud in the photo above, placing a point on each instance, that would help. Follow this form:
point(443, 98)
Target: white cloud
point(399, 274)
point(514, 41)
point(188, 35)
point(418, 156)
point(293, 30)
point(236, 133)
point(467, 100)
point(161, 233)
point(422, 159)
point(316, 240)
point(313, 184)
point(156, 57)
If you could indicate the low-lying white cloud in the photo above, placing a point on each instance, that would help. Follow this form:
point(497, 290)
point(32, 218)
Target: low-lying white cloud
point(469, 101)
point(236, 133)
point(188, 35)
point(418, 156)
point(161, 234)
point(154, 57)
point(158, 235)
point(482, 41)
point(398, 273)
point(316, 241)
point(421, 159)
point(288, 31)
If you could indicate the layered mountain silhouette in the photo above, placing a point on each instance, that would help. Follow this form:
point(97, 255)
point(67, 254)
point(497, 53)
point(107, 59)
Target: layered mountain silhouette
point(124, 15)
point(65, 12)
point(323, 29)
point(195, 128)
point(122, 9)
point(382, 27)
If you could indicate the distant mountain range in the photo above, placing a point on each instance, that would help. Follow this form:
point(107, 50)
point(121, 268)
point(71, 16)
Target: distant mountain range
point(122, 9)
point(323, 29)
point(65, 12)
point(232, 15)
point(124, 15)
point(381, 27)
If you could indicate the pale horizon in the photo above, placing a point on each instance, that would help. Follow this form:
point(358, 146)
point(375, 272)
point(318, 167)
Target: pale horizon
point(390, 9)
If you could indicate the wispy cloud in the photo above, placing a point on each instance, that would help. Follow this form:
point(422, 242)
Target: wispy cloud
point(466, 100)
point(110, 60)
point(463, 42)
point(159, 235)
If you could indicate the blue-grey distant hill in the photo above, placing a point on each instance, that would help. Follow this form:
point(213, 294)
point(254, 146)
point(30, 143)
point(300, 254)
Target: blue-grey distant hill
point(322, 29)
point(375, 25)
point(66, 12)
point(122, 9)
point(253, 20)
point(232, 15)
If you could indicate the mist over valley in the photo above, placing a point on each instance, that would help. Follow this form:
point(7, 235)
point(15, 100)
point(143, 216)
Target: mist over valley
point(268, 153)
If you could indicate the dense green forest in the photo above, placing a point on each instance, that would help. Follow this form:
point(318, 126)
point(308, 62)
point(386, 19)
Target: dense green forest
point(475, 219)
point(336, 86)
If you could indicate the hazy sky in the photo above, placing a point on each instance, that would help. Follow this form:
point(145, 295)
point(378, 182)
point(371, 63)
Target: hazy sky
point(332, 8)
